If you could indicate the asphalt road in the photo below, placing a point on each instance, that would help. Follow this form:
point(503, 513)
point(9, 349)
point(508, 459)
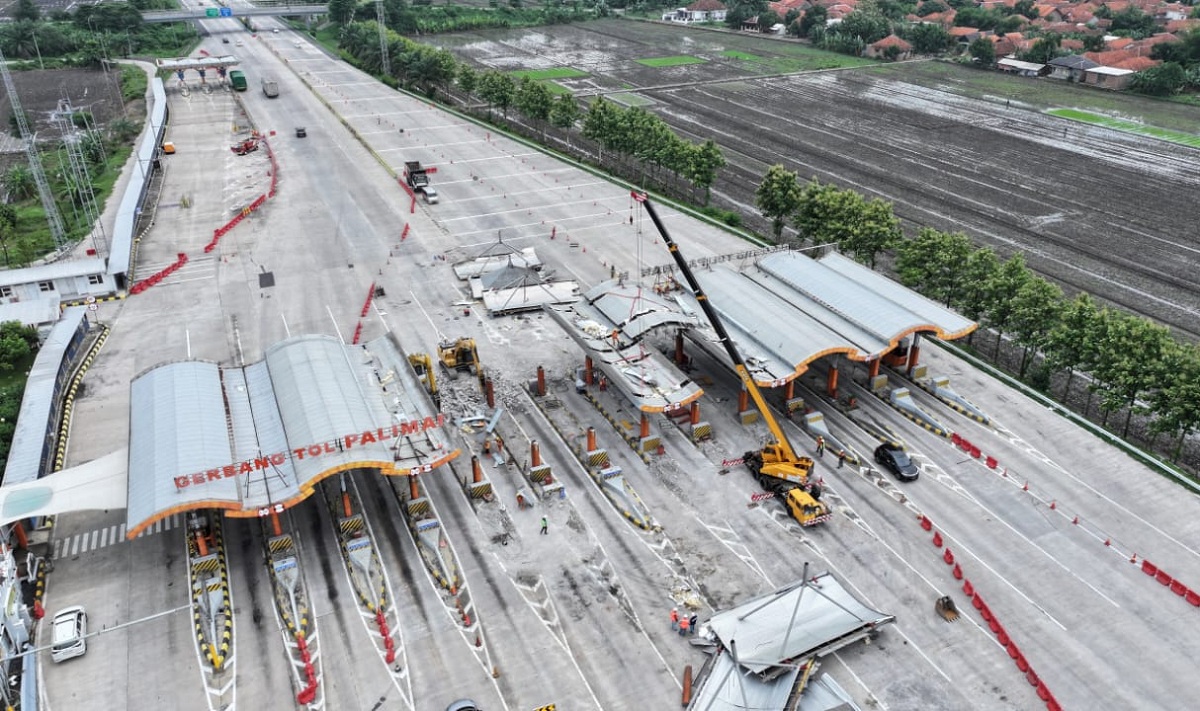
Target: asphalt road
point(577, 617)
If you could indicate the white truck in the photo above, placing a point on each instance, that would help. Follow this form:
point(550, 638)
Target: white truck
point(270, 87)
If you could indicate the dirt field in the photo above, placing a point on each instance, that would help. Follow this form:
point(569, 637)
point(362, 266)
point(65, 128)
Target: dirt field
point(1089, 207)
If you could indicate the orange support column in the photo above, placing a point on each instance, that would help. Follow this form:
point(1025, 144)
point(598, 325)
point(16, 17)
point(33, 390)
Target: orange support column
point(591, 439)
point(22, 540)
point(831, 383)
point(535, 454)
point(789, 390)
point(913, 354)
point(541, 381)
point(275, 524)
point(202, 543)
point(490, 391)
point(587, 371)
point(874, 371)
point(645, 426)
point(476, 470)
point(695, 413)
point(414, 492)
point(743, 400)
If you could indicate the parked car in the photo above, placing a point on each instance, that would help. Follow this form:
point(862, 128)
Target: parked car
point(463, 705)
point(68, 634)
point(896, 460)
point(301, 132)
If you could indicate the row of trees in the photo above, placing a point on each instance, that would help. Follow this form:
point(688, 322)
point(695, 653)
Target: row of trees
point(1132, 364)
point(637, 140)
point(406, 18)
point(824, 213)
point(89, 33)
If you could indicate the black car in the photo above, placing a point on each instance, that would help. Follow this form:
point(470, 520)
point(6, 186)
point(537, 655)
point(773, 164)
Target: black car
point(896, 460)
point(301, 132)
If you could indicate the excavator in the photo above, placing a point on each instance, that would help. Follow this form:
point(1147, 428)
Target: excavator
point(776, 466)
point(459, 356)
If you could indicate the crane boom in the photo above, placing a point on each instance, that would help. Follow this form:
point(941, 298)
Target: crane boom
point(739, 364)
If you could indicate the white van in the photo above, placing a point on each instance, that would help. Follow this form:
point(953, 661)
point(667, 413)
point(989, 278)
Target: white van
point(431, 195)
point(69, 634)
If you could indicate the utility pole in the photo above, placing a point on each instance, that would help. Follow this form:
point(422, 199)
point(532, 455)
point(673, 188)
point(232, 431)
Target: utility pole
point(380, 17)
point(35, 163)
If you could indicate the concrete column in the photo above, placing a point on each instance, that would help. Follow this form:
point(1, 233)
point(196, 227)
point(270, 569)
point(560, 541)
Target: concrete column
point(476, 470)
point(535, 454)
point(591, 439)
point(914, 352)
point(695, 413)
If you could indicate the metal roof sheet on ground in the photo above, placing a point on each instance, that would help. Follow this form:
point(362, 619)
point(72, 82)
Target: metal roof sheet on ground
point(633, 309)
point(809, 618)
point(403, 399)
point(62, 269)
point(29, 436)
point(177, 427)
point(98, 484)
point(947, 323)
point(825, 694)
point(526, 257)
point(777, 341)
point(505, 301)
point(650, 381)
point(729, 687)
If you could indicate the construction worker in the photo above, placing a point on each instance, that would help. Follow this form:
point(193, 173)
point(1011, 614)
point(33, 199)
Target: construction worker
point(820, 446)
point(674, 618)
point(684, 623)
point(692, 622)
point(841, 458)
point(545, 525)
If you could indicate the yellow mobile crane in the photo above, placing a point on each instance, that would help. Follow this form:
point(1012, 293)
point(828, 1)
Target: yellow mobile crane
point(777, 466)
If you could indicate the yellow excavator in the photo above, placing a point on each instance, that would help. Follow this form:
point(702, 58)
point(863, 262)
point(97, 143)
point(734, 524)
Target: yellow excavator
point(459, 356)
point(776, 466)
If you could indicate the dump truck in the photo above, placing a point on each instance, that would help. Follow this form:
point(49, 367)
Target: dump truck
point(776, 466)
point(270, 88)
point(418, 179)
point(237, 79)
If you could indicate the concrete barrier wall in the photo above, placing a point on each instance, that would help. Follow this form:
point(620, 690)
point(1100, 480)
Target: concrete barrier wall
point(135, 190)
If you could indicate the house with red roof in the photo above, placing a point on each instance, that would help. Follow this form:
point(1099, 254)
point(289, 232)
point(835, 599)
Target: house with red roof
point(890, 47)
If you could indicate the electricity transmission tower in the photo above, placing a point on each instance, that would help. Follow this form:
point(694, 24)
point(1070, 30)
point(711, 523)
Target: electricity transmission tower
point(380, 16)
point(35, 163)
point(81, 179)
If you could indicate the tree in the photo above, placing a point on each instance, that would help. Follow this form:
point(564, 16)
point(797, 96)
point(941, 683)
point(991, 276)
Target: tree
point(1071, 343)
point(778, 197)
point(705, 161)
point(999, 299)
point(867, 26)
point(1044, 49)
point(498, 89)
point(1027, 9)
point(862, 228)
point(932, 263)
point(1163, 80)
point(1132, 22)
point(813, 17)
point(1037, 307)
point(467, 78)
point(565, 112)
point(342, 11)
point(1176, 402)
point(738, 11)
point(26, 10)
point(978, 271)
point(877, 229)
point(18, 181)
point(1131, 360)
point(535, 101)
point(929, 7)
point(8, 227)
point(767, 20)
point(16, 342)
point(983, 51)
point(928, 38)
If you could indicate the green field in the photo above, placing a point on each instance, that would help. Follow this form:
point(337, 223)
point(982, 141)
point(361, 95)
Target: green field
point(677, 61)
point(1166, 134)
point(552, 73)
point(631, 99)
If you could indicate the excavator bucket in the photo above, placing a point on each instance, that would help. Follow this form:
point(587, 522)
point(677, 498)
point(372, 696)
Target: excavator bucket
point(946, 608)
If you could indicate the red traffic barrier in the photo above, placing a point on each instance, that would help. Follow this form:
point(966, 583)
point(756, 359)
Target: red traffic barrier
point(926, 523)
point(1021, 663)
point(991, 462)
point(968, 588)
point(1163, 577)
point(1032, 678)
point(986, 613)
point(1043, 693)
point(1002, 636)
point(937, 539)
point(391, 655)
point(1013, 651)
point(306, 695)
point(1193, 598)
point(957, 573)
point(948, 557)
point(1052, 704)
point(1178, 588)
point(994, 626)
point(975, 452)
point(977, 601)
point(956, 439)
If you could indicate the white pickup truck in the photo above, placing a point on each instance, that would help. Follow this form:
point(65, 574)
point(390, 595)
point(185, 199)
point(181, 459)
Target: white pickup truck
point(270, 87)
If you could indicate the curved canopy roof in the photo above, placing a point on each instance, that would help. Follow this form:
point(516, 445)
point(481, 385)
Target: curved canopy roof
point(257, 439)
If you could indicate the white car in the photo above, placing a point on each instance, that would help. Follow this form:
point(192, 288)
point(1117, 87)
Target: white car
point(69, 634)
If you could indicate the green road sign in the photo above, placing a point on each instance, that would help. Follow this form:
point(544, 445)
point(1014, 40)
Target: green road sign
point(210, 12)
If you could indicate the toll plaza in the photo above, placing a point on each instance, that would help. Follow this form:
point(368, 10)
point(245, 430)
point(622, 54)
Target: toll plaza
point(180, 66)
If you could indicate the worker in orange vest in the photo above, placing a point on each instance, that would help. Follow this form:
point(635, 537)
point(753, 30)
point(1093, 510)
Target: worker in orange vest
point(683, 626)
point(674, 618)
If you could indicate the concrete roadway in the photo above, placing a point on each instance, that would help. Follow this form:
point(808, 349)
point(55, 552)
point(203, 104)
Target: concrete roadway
point(551, 629)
